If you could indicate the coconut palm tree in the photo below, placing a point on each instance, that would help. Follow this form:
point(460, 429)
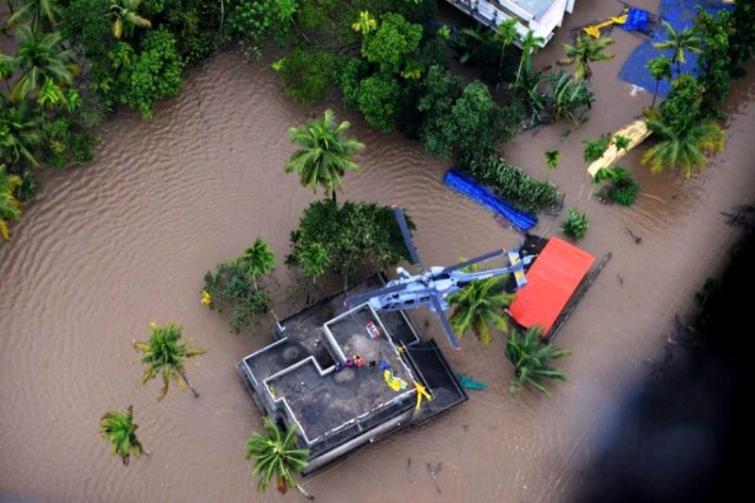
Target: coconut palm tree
point(42, 15)
point(685, 147)
point(275, 456)
point(660, 68)
point(505, 33)
point(325, 155)
point(585, 51)
point(124, 17)
point(479, 306)
point(530, 43)
point(10, 207)
point(530, 356)
point(19, 132)
point(40, 56)
point(165, 354)
point(258, 260)
point(314, 261)
point(118, 430)
point(679, 42)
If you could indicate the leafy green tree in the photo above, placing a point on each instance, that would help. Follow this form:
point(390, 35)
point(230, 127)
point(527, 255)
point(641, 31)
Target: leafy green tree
point(307, 74)
point(137, 80)
point(594, 149)
point(622, 189)
point(552, 158)
point(585, 51)
point(440, 90)
point(39, 57)
point(683, 105)
point(41, 15)
point(686, 148)
point(164, 353)
point(86, 24)
point(576, 224)
point(119, 431)
point(10, 207)
point(20, 127)
point(742, 37)
point(124, 17)
point(275, 456)
point(379, 98)
point(530, 44)
point(660, 69)
point(479, 124)
point(394, 42)
point(679, 42)
point(258, 260)
point(351, 235)
point(714, 61)
point(480, 306)
point(531, 358)
point(325, 154)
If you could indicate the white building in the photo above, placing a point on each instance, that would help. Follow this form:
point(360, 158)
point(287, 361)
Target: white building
point(540, 16)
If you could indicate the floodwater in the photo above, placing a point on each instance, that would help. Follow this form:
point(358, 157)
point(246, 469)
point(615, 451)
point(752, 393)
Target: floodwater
point(109, 247)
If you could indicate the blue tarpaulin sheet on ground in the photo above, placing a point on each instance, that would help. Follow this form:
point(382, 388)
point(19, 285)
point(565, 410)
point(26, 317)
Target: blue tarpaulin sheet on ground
point(637, 20)
point(680, 14)
point(470, 188)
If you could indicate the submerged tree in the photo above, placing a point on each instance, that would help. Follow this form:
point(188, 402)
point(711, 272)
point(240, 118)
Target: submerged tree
point(325, 155)
point(480, 306)
point(165, 353)
point(275, 456)
point(552, 158)
point(585, 51)
point(531, 356)
point(686, 149)
point(119, 430)
point(679, 42)
point(258, 260)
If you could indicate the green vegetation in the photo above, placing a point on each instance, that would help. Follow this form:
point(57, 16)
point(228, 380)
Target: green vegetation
point(515, 186)
point(530, 356)
point(714, 62)
point(585, 51)
point(622, 189)
point(480, 306)
point(307, 74)
point(660, 69)
point(325, 155)
point(594, 149)
point(10, 206)
point(349, 235)
point(235, 285)
point(576, 224)
point(679, 42)
point(165, 353)
point(275, 456)
point(119, 431)
point(552, 158)
point(742, 36)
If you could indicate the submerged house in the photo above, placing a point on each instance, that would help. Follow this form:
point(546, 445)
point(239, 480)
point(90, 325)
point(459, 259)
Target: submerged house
point(540, 16)
point(301, 378)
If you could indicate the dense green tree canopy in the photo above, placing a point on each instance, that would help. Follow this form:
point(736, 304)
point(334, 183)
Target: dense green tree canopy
point(392, 44)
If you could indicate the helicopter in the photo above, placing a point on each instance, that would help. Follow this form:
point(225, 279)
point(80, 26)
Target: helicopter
point(430, 287)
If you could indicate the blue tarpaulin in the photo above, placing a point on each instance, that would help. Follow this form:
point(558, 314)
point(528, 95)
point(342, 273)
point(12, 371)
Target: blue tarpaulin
point(470, 188)
point(680, 14)
point(637, 20)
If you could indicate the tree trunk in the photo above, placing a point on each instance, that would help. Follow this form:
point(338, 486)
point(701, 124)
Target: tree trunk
point(500, 66)
point(10, 6)
point(333, 196)
point(186, 380)
point(303, 492)
point(655, 94)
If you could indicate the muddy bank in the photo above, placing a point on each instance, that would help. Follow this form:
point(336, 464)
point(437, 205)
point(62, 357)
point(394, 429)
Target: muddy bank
point(107, 248)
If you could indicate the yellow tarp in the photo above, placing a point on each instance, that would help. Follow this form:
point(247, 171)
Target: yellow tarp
point(637, 132)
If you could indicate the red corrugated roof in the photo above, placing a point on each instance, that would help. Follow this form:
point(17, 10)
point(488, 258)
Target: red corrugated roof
point(551, 281)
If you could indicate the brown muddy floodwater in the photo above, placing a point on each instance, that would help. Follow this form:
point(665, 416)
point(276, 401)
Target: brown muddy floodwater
point(107, 248)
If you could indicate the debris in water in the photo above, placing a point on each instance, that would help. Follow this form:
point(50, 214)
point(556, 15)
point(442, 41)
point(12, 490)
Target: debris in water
point(621, 279)
point(637, 239)
point(434, 474)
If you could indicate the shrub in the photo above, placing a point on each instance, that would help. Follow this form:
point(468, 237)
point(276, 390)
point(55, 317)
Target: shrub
point(576, 224)
point(253, 22)
point(349, 235)
point(594, 149)
point(391, 46)
point(307, 74)
point(622, 188)
point(515, 186)
point(378, 99)
point(234, 285)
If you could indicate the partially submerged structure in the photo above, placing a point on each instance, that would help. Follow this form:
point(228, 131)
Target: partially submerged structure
point(300, 379)
point(540, 16)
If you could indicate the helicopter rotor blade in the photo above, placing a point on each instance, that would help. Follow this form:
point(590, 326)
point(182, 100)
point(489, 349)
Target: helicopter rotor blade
point(467, 263)
point(401, 221)
point(444, 322)
point(355, 300)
